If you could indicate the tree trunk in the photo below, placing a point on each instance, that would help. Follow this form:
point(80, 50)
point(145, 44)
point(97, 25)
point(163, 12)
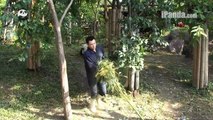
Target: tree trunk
point(106, 17)
point(202, 64)
point(132, 80)
point(206, 47)
point(70, 35)
point(130, 18)
point(195, 64)
point(118, 18)
point(137, 79)
point(113, 22)
point(112, 27)
point(62, 63)
point(33, 61)
point(109, 34)
point(200, 61)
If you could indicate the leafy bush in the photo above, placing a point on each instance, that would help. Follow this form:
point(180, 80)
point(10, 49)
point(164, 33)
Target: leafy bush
point(131, 53)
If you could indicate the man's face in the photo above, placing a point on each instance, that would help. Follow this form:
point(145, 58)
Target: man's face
point(92, 45)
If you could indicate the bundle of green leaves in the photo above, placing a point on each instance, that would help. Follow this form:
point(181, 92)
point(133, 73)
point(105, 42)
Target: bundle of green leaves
point(107, 73)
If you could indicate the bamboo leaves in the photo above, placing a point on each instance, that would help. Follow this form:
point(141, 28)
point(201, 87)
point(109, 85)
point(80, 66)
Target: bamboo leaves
point(197, 32)
point(107, 73)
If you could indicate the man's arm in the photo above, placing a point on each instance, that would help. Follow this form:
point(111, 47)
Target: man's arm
point(89, 62)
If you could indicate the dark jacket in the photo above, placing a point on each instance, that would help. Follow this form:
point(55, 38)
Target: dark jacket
point(91, 60)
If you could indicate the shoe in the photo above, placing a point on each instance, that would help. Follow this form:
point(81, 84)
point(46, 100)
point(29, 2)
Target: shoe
point(100, 103)
point(92, 105)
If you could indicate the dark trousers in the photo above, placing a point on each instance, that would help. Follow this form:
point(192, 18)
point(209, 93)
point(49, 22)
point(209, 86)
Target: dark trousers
point(97, 88)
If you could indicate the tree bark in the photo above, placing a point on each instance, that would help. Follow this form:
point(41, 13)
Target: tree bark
point(200, 63)
point(65, 12)
point(206, 59)
point(137, 79)
point(70, 35)
point(33, 60)
point(132, 80)
point(195, 63)
point(106, 17)
point(62, 63)
point(109, 34)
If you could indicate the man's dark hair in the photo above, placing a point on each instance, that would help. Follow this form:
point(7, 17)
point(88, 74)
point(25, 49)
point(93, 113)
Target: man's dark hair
point(89, 38)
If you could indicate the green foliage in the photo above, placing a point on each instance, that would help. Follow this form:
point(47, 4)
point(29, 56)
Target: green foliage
point(23, 32)
point(2, 6)
point(131, 53)
point(145, 15)
point(197, 32)
point(183, 75)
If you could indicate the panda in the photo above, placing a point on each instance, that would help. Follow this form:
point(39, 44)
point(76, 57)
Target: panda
point(22, 14)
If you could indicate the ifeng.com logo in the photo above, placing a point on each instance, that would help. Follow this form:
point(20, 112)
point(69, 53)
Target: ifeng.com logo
point(179, 14)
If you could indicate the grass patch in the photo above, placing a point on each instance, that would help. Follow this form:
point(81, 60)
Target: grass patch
point(20, 88)
point(183, 75)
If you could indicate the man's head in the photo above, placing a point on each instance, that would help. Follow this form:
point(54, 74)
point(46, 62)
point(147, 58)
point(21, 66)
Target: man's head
point(91, 43)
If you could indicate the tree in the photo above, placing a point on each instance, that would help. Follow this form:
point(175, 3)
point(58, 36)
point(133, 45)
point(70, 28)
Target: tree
point(131, 57)
point(200, 32)
point(61, 57)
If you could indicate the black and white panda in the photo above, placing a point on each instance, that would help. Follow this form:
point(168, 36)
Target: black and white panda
point(22, 14)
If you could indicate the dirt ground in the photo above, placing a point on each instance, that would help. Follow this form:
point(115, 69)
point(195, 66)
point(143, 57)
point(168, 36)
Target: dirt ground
point(163, 95)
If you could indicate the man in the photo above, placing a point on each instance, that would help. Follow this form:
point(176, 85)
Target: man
point(92, 56)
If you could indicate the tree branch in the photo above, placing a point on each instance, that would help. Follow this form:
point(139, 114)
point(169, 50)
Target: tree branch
point(109, 2)
point(65, 12)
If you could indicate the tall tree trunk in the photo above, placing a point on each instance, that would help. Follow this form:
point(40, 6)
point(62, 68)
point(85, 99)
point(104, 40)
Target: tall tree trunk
point(118, 25)
point(62, 63)
point(33, 60)
point(130, 18)
point(109, 34)
point(113, 22)
point(106, 17)
point(200, 61)
point(206, 51)
point(112, 27)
